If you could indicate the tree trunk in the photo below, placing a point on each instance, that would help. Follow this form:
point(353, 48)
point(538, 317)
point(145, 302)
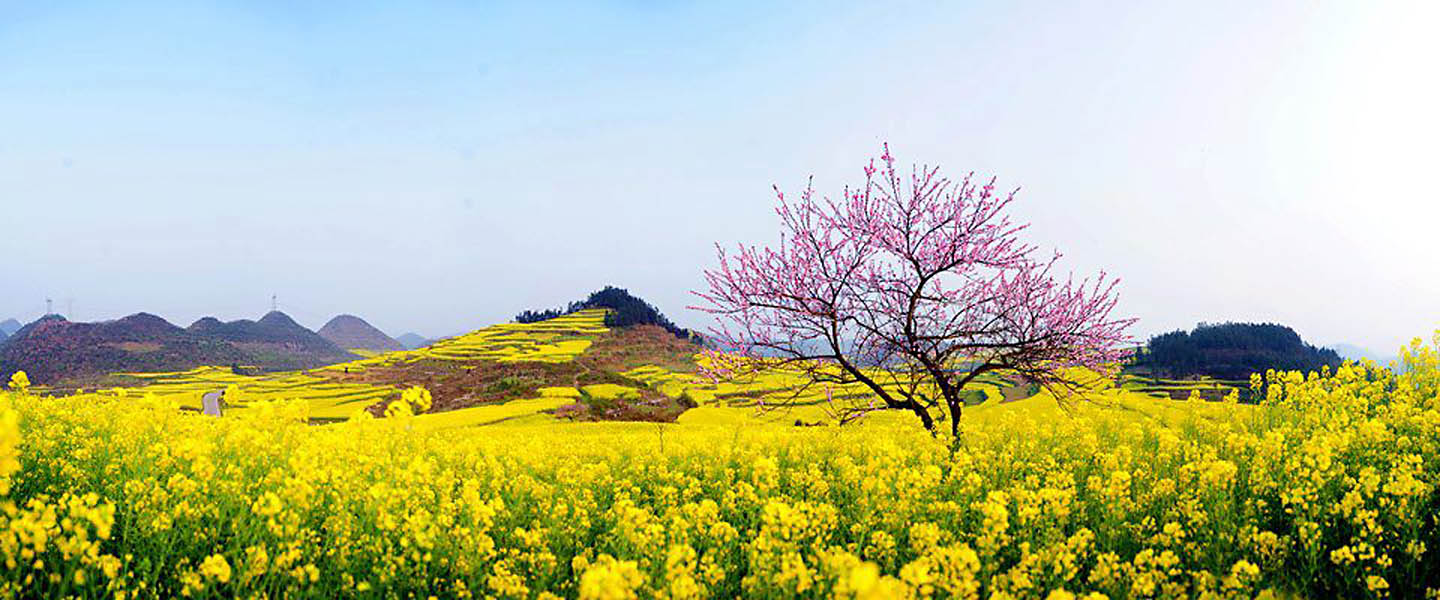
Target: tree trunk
point(955, 402)
point(925, 417)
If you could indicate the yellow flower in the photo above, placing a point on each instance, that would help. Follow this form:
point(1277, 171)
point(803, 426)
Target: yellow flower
point(610, 579)
point(216, 567)
point(418, 398)
point(1136, 496)
point(19, 382)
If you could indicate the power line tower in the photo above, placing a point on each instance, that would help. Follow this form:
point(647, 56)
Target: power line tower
point(49, 307)
point(274, 302)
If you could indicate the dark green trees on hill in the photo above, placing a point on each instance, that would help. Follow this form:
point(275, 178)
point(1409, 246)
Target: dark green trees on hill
point(625, 310)
point(1232, 351)
point(536, 316)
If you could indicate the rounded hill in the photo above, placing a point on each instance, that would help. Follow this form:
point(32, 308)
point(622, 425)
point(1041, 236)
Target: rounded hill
point(354, 333)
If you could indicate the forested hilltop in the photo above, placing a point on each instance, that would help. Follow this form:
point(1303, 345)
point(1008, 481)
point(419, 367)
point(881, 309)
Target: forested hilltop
point(1231, 351)
point(625, 310)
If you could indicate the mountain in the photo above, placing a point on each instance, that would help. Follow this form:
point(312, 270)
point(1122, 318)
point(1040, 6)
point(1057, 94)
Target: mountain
point(9, 327)
point(412, 340)
point(1232, 351)
point(276, 340)
point(54, 350)
point(351, 332)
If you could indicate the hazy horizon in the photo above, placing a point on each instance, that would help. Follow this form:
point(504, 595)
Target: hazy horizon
point(315, 323)
point(436, 168)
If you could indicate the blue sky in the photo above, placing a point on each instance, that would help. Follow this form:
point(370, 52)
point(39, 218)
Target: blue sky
point(440, 166)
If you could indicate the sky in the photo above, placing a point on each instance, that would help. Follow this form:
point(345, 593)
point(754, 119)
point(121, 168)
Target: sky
point(437, 167)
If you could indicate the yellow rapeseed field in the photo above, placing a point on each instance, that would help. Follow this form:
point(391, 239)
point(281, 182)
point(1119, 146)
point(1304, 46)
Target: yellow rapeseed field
point(1327, 488)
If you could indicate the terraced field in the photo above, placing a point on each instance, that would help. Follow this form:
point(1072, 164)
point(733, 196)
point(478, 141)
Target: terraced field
point(334, 393)
point(557, 340)
point(331, 396)
point(778, 396)
point(514, 412)
point(326, 399)
point(1182, 389)
point(339, 391)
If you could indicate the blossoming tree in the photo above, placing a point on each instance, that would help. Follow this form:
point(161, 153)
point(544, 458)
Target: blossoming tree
point(912, 285)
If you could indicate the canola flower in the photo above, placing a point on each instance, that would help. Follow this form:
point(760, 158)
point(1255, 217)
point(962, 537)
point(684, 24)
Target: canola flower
point(1328, 488)
point(20, 382)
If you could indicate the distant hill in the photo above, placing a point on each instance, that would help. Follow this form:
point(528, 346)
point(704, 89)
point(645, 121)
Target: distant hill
point(8, 327)
point(351, 332)
point(1232, 351)
point(276, 341)
point(1356, 353)
point(412, 341)
point(54, 350)
point(626, 309)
